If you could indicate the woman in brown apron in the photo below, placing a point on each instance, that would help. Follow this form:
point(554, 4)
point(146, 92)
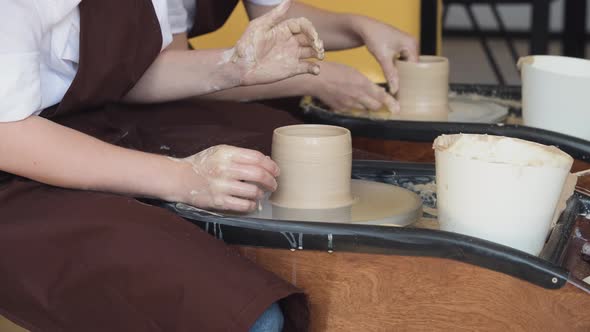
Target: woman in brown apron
point(77, 260)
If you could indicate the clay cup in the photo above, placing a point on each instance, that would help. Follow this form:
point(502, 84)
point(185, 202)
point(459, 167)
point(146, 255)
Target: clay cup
point(315, 163)
point(424, 89)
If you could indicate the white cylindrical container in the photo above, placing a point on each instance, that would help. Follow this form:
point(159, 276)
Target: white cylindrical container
point(315, 163)
point(556, 94)
point(500, 189)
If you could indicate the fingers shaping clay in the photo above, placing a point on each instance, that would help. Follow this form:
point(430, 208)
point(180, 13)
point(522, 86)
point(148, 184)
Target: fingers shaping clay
point(423, 95)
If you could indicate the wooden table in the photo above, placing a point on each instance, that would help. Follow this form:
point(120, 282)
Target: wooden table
point(372, 292)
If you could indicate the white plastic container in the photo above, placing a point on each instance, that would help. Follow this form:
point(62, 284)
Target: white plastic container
point(500, 189)
point(556, 94)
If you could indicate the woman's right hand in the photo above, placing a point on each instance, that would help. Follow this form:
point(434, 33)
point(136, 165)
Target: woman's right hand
point(226, 178)
point(274, 48)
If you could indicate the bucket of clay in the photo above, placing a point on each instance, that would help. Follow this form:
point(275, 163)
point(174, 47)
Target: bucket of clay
point(556, 94)
point(316, 165)
point(500, 189)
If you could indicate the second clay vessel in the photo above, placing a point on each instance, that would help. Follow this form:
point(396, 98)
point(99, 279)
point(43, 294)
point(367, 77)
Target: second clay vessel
point(424, 89)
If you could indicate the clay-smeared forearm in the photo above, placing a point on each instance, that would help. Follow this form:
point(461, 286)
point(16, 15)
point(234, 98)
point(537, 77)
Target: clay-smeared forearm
point(271, 49)
point(181, 74)
point(44, 151)
point(292, 87)
point(221, 177)
point(340, 87)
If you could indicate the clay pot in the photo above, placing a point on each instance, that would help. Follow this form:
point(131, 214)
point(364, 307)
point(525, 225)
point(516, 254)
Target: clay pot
point(424, 89)
point(500, 189)
point(316, 164)
point(555, 94)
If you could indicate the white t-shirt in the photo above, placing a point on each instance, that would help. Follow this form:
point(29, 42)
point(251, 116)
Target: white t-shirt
point(181, 13)
point(39, 52)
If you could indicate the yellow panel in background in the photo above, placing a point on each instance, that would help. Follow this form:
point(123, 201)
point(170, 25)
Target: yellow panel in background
point(403, 14)
point(227, 35)
point(8, 326)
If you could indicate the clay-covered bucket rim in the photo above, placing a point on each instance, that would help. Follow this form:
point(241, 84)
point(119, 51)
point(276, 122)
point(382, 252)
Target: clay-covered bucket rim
point(503, 150)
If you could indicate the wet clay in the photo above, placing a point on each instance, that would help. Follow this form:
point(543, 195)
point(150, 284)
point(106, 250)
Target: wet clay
point(424, 89)
point(316, 165)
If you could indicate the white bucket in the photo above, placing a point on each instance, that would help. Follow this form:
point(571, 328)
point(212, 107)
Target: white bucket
point(556, 94)
point(500, 189)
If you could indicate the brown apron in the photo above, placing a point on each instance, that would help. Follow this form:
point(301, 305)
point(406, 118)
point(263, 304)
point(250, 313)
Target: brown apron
point(211, 15)
point(85, 261)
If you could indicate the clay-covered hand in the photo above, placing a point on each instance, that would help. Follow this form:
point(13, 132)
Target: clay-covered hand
point(227, 178)
point(274, 48)
point(344, 88)
point(387, 43)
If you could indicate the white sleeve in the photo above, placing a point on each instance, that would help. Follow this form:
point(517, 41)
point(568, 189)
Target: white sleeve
point(266, 2)
point(178, 16)
point(21, 30)
point(161, 8)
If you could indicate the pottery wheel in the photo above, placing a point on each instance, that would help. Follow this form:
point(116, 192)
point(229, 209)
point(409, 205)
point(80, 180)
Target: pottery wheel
point(375, 204)
point(464, 109)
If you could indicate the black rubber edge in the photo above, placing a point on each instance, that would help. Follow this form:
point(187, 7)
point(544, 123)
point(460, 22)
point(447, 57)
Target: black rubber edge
point(379, 240)
point(428, 131)
point(555, 248)
point(542, 271)
point(420, 131)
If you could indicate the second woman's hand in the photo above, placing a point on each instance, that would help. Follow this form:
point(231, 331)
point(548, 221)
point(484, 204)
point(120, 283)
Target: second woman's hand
point(386, 43)
point(343, 88)
point(225, 178)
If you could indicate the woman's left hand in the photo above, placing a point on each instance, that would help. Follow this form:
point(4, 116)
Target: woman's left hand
point(274, 48)
point(387, 43)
